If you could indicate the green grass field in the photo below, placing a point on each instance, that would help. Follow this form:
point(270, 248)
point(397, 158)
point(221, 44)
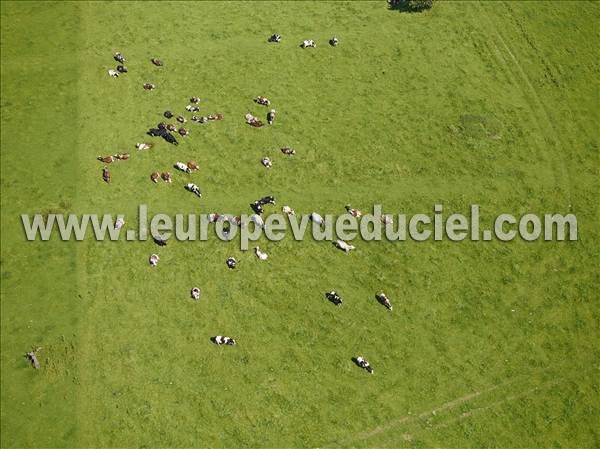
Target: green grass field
point(489, 344)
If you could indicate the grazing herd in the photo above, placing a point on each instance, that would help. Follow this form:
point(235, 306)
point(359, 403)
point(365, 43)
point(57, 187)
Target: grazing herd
point(166, 131)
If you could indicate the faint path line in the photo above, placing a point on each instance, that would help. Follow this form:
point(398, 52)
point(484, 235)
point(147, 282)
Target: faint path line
point(409, 418)
point(538, 107)
point(548, 65)
point(470, 413)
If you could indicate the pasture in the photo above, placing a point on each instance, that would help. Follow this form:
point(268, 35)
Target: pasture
point(489, 344)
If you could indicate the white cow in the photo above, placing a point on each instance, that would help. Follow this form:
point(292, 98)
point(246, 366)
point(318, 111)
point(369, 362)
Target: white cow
point(387, 219)
point(288, 210)
point(119, 223)
point(113, 73)
point(266, 162)
point(154, 260)
point(261, 254)
point(344, 246)
point(195, 293)
point(308, 43)
point(142, 146)
point(315, 217)
point(257, 220)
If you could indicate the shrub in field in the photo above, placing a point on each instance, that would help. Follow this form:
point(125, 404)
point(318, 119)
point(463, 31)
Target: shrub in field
point(419, 5)
point(411, 5)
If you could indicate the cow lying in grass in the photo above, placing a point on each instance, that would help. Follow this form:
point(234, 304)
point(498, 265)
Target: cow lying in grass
point(257, 220)
point(119, 223)
point(262, 100)
point(253, 121)
point(308, 43)
point(288, 210)
point(194, 189)
point(182, 167)
point(266, 162)
point(340, 244)
point(163, 131)
point(333, 297)
point(257, 206)
point(362, 362)
point(383, 300)
point(387, 219)
point(260, 254)
point(221, 340)
point(354, 212)
point(106, 159)
point(31, 356)
point(269, 199)
point(316, 218)
point(154, 260)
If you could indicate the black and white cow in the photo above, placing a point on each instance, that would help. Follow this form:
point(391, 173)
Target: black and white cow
point(333, 297)
point(190, 187)
point(32, 358)
point(221, 340)
point(195, 293)
point(364, 364)
point(383, 300)
point(119, 57)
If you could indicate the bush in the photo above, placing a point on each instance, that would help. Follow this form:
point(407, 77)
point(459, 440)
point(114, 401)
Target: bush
point(411, 5)
point(419, 5)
